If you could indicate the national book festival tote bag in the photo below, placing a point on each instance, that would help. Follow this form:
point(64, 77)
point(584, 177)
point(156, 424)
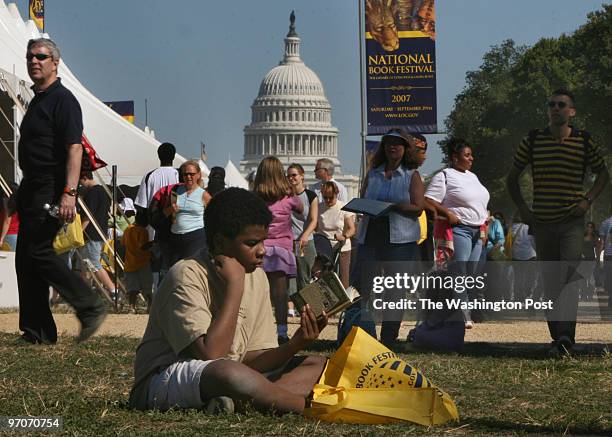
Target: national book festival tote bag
point(364, 382)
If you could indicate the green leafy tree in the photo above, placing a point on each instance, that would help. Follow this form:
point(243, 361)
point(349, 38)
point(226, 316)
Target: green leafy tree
point(505, 98)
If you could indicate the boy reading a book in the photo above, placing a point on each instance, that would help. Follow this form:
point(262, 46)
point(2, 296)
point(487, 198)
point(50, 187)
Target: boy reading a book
point(211, 338)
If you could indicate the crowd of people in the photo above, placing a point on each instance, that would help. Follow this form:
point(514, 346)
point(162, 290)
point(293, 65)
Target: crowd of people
point(224, 260)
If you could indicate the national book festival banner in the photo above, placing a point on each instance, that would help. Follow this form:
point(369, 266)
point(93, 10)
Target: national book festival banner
point(37, 13)
point(400, 57)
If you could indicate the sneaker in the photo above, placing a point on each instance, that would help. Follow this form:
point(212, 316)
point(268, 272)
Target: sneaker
point(553, 350)
point(469, 324)
point(411, 334)
point(89, 328)
point(560, 348)
point(292, 313)
point(220, 405)
point(27, 338)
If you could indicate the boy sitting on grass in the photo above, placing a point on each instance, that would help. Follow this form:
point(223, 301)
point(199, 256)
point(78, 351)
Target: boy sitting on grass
point(211, 337)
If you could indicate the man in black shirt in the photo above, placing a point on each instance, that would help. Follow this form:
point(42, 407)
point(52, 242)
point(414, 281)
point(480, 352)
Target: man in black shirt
point(98, 203)
point(50, 153)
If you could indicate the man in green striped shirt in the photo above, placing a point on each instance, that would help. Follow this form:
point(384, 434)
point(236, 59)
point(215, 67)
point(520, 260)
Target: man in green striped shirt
point(559, 156)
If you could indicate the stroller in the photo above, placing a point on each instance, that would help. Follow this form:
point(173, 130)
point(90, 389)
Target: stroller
point(327, 257)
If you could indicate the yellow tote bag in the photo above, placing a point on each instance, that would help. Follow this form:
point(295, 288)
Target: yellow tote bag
point(70, 236)
point(364, 382)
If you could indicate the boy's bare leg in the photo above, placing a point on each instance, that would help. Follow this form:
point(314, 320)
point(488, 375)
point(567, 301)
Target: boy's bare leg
point(302, 373)
point(286, 394)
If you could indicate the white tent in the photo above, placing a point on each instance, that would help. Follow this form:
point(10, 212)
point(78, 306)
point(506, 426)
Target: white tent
point(233, 178)
point(116, 140)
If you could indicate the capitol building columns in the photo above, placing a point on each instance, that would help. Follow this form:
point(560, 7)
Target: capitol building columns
point(288, 144)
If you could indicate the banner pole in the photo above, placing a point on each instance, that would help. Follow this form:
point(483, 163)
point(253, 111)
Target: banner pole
point(362, 167)
point(114, 209)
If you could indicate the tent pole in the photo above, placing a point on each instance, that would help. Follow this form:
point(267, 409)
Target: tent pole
point(114, 210)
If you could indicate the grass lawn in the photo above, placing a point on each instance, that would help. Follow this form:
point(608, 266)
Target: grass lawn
point(498, 390)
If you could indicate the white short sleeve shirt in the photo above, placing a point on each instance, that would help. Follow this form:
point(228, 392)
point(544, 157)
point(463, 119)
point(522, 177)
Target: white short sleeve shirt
point(461, 193)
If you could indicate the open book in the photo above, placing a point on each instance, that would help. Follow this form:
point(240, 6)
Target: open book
point(325, 294)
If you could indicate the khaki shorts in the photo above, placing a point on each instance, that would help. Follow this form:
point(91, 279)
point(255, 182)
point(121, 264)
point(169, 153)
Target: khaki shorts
point(178, 385)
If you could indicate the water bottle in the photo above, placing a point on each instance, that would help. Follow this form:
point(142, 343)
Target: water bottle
point(52, 210)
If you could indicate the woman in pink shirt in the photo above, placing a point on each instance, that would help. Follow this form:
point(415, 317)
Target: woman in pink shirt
point(9, 219)
point(279, 261)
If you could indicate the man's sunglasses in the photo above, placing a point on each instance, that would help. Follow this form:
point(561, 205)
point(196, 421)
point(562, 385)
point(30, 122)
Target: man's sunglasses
point(39, 56)
point(560, 105)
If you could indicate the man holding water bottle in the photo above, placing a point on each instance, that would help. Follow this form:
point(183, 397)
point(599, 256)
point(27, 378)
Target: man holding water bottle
point(50, 153)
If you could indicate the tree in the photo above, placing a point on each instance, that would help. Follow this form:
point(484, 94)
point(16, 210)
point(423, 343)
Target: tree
point(506, 96)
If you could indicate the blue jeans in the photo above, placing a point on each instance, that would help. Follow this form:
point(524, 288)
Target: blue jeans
point(382, 252)
point(11, 240)
point(467, 249)
point(92, 251)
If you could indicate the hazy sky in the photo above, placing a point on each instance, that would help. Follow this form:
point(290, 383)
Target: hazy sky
point(200, 63)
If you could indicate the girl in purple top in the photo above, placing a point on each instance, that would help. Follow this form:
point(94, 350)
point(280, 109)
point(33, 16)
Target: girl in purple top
point(279, 261)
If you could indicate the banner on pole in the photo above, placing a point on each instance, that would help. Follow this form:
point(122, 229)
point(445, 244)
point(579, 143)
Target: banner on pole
point(124, 108)
point(400, 65)
point(37, 13)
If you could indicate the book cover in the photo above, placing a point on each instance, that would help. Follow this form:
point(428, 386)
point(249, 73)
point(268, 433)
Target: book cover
point(325, 294)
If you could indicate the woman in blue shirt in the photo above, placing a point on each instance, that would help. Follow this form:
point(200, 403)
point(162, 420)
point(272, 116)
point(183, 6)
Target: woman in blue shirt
point(187, 236)
point(393, 237)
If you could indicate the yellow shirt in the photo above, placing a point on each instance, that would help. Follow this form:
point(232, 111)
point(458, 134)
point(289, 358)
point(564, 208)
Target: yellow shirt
point(133, 239)
point(183, 308)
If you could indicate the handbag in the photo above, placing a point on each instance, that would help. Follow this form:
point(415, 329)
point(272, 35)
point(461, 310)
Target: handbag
point(365, 382)
point(70, 236)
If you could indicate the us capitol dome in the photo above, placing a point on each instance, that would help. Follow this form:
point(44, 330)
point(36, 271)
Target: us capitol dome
point(291, 119)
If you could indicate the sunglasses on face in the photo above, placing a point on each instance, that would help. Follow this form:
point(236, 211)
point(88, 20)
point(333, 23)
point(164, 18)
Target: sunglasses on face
point(394, 144)
point(189, 174)
point(328, 197)
point(39, 56)
point(553, 103)
point(293, 175)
